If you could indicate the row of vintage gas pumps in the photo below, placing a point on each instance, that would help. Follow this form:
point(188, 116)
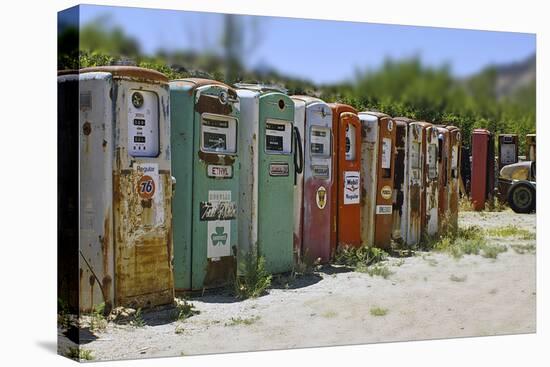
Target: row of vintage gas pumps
point(179, 181)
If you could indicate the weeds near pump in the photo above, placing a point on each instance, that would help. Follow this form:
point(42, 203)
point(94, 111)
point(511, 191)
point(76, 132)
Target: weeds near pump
point(254, 281)
point(511, 231)
point(360, 256)
point(64, 317)
point(379, 270)
point(240, 321)
point(306, 265)
point(492, 251)
point(429, 260)
point(97, 318)
point(458, 279)
point(465, 205)
point(184, 309)
point(495, 205)
point(79, 354)
point(463, 241)
point(524, 249)
point(378, 311)
point(398, 263)
point(138, 320)
point(364, 259)
point(329, 314)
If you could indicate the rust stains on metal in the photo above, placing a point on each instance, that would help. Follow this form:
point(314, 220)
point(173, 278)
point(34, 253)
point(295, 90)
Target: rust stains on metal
point(86, 128)
point(213, 104)
point(105, 242)
point(195, 83)
point(129, 72)
point(415, 199)
point(217, 272)
point(143, 244)
point(107, 282)
point(210, 158)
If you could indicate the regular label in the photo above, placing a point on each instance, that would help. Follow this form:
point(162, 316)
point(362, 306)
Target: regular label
point(321, 197)
point(351, 187)
point(147, 183)
point(218, 239)
point(383, 209)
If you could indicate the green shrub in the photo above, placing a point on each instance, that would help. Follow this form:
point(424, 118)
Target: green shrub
point(185, 309)
point(97, 318)
point(463, 241)
point(492, 251)
point(242, 321)
point(523, 249)
point(511, 231)
point(79, 354)
point(138, 320)
point(378, 311)
point(252, 279)
point(363, 256)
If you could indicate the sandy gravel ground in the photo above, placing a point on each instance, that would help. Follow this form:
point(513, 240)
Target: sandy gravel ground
point(430, 295)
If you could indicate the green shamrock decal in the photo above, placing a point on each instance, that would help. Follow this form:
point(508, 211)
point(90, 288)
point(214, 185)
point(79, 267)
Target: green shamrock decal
point(219, 237)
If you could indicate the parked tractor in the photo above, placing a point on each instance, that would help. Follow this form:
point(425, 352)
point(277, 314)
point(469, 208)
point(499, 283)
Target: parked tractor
point(517, 186)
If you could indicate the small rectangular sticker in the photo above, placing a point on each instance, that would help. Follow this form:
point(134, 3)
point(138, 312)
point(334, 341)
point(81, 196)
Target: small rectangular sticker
point(86, 100)
point(217, 171)
point(278, 169)
point(320, 171)
point(386, 153)
point(383, 209)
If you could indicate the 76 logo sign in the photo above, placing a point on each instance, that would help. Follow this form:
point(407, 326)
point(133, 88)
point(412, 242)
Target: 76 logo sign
point(146, 187)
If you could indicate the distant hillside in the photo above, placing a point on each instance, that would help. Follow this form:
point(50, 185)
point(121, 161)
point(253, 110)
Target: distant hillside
point(513, 77)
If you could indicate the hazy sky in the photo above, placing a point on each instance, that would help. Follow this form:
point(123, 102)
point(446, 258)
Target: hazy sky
point(319, 49)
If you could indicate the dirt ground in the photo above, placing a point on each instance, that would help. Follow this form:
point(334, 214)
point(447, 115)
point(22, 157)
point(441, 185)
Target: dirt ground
point(428, 296)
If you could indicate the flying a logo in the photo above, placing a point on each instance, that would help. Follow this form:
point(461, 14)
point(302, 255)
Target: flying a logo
point(219, 237)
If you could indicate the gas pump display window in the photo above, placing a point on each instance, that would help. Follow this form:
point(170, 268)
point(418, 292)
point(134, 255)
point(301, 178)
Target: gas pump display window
point(350, 142)
point(432, 161)
point(454, 162)
point(508, 153)
point(454, 158)
point(143, 124)
point(415, 155)
point(320, 141)
point(278, 137)
point(218, 134)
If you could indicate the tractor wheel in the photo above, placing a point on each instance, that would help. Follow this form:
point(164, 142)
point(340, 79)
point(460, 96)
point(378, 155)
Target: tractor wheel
point(522, 198)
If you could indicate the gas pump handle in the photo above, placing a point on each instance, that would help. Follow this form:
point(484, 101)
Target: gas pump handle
point(298, 162)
